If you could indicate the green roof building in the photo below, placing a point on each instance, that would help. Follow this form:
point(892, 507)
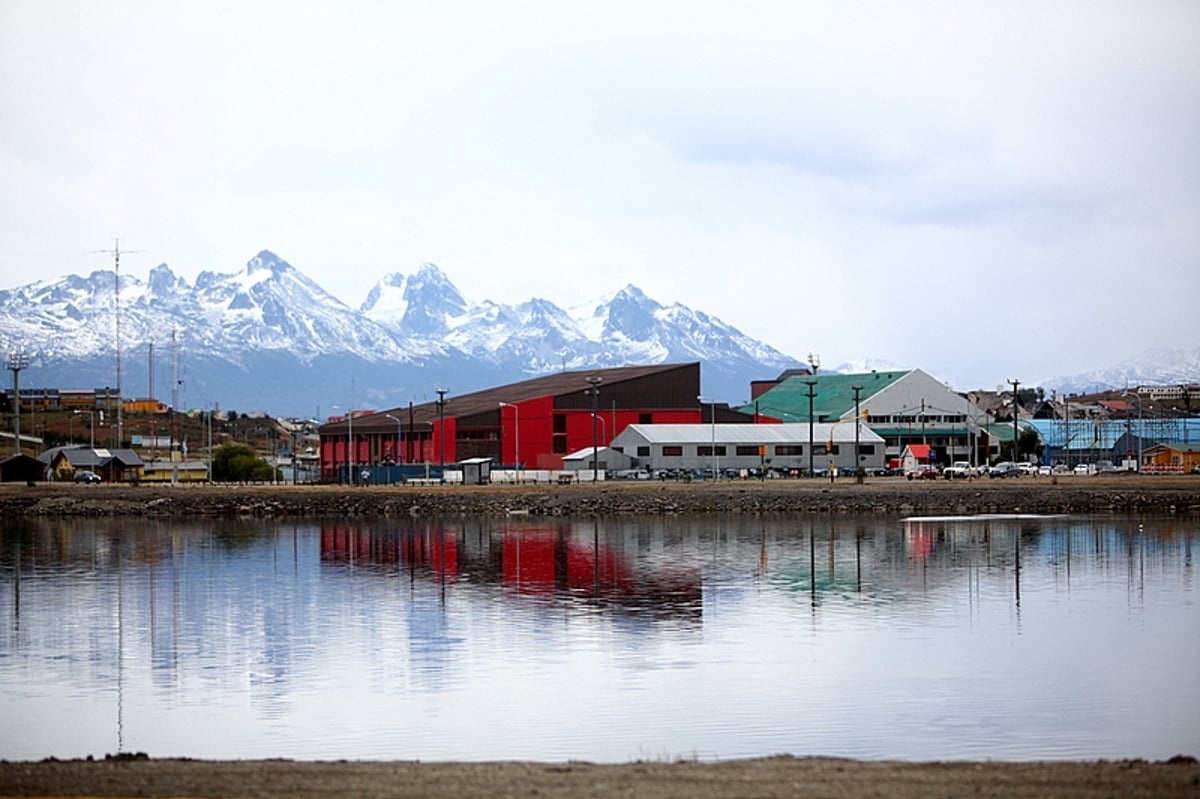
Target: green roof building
point(902, 406)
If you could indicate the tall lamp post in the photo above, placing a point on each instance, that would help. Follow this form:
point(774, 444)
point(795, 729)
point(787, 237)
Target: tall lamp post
point(16, 362)
point(594, 390)
point(349, 442)
point(91, 426)
point(812, 384)
point(712, 426)
point(857, 420)
point(1014, 384)
point(398, 456)
point(516, 437)
point(441, 403)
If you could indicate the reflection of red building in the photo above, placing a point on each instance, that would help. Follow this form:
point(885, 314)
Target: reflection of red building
point(542, 561)
point(552, 415)
point(435, 548)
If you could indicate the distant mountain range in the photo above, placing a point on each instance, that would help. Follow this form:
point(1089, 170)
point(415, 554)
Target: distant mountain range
point(1162, 366)
point(269, 338)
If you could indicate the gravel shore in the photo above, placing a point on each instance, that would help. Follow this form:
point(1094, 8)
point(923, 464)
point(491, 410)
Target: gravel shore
point(1071, 495)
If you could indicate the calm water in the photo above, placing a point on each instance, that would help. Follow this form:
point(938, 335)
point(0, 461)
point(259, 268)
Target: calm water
point(607, 641)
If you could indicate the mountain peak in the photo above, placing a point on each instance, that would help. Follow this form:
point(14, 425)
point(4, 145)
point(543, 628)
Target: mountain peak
point(267, 261)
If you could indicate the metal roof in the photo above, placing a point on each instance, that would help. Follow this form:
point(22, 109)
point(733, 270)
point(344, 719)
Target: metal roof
point(750, 433)
point(488, 400)
point(833, 394)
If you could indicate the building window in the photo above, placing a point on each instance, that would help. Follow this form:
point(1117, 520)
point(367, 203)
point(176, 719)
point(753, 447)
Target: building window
point(706, 450)
point(789, 449)
point(643, 452)
point(672, 452)
point(560, 423)
point(866, 449)
point(645, 418)
point(560, 445)
point(746, 449)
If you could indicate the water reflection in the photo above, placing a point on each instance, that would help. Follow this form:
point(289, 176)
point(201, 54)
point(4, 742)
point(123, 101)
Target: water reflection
point(601, 639)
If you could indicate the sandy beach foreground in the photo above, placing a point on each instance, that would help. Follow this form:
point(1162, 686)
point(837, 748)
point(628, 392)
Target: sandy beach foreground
point(765, 777)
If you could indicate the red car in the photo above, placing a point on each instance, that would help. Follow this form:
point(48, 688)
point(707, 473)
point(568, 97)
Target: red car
point(923, 473)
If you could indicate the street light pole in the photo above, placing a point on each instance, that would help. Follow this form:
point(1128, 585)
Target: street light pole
point(398, 456)
point(1014, 384)
point(811, 393)
point(16, 362)
point(441, 403)
point(91, 426)
point(857, 419)
point(516, 437)
point(594, 382)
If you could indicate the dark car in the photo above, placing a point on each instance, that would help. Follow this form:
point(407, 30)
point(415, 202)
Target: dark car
point(86, 476)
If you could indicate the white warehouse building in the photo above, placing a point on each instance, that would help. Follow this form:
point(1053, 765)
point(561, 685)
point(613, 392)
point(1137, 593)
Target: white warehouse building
point(745, 446)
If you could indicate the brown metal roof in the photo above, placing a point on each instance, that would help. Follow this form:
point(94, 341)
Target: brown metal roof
point(559, 384)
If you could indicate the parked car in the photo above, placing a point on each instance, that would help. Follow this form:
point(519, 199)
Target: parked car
point(923, 473)
point(1084, 468)
point(1005, 469)
point(86, 476)
point(1045, 471)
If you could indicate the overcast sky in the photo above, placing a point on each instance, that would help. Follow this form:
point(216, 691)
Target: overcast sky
point(983, 190)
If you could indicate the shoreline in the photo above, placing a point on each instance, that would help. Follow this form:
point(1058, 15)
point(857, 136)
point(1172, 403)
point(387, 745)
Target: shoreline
point(1120, 494)
point(779, 776)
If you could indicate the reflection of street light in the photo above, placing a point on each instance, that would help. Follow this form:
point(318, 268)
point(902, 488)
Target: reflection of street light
point(91, 426)
point(594, 382)
point(399, 459)
point(516, 437)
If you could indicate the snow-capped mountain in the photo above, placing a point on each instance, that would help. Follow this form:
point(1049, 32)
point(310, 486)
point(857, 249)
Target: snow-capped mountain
point(267, 337)
point(1162, 366)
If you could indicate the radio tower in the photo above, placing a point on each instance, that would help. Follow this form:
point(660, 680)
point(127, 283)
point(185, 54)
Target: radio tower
point(116, 254)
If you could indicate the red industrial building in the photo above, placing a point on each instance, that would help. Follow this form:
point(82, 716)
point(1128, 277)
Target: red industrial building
point(533, 423)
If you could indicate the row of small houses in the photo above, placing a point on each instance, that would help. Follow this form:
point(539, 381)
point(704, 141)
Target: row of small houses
point(111, 465)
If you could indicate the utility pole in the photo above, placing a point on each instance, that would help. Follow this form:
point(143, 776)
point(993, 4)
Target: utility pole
point(1014, 384)
point(811, 393)
point(16, 362)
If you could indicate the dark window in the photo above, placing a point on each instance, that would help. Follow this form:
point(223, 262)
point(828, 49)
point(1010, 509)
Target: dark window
point(706, 450)
point(645, 418)
point(560, 423)
point(643, 452)
point(866, 449)
point(747, 449)
point(789, 449)
point(672, 452)
point(560, 445)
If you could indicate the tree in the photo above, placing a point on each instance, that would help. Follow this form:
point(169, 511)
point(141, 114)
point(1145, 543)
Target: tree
point(239, 463)
point(1029, 443)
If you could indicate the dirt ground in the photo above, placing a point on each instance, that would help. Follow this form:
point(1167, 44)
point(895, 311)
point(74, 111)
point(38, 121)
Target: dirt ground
point(766, 777)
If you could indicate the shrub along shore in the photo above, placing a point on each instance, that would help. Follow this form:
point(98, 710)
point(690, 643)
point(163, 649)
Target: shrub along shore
point(1122, 494)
